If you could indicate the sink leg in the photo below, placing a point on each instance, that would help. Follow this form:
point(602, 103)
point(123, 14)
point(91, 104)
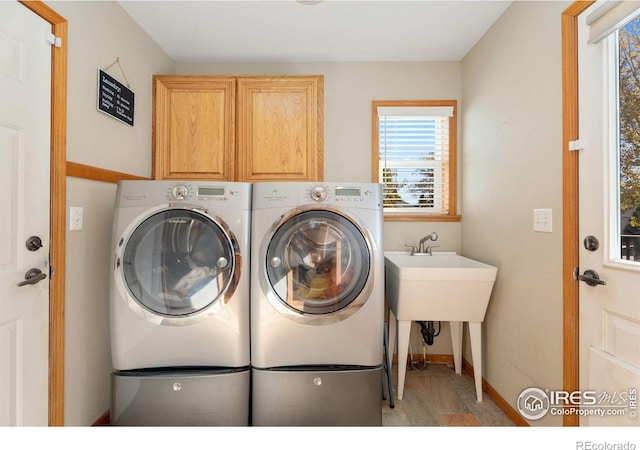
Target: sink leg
point(475, 333)
point(456, 343)
point(404, 332)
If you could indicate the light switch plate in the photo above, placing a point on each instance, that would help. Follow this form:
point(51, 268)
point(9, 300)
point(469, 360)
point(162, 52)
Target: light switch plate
point(76, 218)
point(543, 220)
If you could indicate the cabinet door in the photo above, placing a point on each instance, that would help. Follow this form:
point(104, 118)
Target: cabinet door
point(193, 127)
point(280, 128)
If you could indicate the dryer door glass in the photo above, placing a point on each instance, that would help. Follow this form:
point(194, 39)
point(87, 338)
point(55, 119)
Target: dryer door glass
point(318, 262)
point(178, 262)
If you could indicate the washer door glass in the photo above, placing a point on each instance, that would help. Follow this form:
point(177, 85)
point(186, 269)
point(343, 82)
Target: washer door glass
point(318, 262)
point(178, 262)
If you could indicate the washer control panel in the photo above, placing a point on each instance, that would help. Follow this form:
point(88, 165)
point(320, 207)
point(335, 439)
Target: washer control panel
point(190, 192)
point(193, 193)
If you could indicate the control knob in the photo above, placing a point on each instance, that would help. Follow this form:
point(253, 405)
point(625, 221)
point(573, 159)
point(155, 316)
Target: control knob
point(318, 193)
point(179, 192)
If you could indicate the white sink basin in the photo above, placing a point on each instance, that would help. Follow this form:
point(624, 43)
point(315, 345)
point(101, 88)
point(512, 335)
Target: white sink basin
point(444, 286)
point(439, 287)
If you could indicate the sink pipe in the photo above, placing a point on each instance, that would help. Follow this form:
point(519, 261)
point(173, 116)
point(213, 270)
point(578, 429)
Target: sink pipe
point(428, 331)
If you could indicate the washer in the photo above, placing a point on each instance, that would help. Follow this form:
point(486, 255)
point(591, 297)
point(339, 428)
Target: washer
point(179, 302)
point(317, 300)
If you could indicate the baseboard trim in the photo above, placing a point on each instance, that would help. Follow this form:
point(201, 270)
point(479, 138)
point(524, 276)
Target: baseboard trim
point(431, 359)
point(103, 420)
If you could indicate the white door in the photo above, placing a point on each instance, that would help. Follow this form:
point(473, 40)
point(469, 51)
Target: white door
point(609, 313)
point(25, 90)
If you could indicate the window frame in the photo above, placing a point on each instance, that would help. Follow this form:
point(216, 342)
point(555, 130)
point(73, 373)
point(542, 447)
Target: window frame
point(452, 215)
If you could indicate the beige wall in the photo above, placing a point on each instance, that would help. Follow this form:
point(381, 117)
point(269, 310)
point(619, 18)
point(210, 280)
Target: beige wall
point(99, 32)
point(511, 164)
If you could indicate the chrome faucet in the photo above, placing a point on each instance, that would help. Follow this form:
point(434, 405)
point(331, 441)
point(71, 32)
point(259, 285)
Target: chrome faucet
point(433, 236)
point(420, 249)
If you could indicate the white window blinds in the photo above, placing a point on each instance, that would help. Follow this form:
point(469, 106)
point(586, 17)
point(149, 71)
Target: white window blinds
point(609, 17)
point(414, 158)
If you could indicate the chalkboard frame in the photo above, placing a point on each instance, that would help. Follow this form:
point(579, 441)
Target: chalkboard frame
point(115, 99)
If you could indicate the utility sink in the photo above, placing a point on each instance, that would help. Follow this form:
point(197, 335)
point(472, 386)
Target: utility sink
point(439, 287)
point(443, 286)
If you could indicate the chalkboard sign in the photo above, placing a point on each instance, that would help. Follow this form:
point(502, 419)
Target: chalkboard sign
point(114, 98)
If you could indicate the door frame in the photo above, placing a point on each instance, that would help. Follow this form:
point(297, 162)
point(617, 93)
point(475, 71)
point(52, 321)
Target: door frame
point(58, 194)
point(570, 197)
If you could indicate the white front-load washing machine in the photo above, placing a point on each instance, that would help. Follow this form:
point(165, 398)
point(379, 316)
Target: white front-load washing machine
point(179, 303)
point(317, 300)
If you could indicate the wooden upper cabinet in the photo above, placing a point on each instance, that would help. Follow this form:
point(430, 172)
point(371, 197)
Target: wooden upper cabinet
point(238, 128)
point(193, 127)
point(280, 128)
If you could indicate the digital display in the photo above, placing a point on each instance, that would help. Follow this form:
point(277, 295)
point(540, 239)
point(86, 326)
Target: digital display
point(210, 191)
point(348, 191)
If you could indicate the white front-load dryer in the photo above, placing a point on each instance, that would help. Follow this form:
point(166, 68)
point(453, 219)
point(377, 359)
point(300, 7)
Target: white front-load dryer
point(179, 300)
point(317, 300)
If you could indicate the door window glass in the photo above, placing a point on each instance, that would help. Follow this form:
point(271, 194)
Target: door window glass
point(178, 262)
point(318, 262)
point(628, 161)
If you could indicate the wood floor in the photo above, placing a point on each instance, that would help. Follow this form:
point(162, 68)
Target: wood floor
point(436, 396)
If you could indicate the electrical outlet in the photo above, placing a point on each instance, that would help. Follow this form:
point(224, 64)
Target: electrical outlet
point(543, 220)
point(76, 219)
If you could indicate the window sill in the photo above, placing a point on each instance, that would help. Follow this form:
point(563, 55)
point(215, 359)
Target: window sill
point(390, 217)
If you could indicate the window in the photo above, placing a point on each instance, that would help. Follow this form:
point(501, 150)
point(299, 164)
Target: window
point(414, 157)
point(628, 143)
point(617, 24)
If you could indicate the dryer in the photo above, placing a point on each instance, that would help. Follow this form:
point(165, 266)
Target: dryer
point(179, 303)
point(317, 300)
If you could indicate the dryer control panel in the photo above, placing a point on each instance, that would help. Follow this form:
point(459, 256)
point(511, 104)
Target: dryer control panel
point(291, 194)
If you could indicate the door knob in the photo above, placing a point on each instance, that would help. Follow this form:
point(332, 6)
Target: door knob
point(589, 276)
point(32, 276)
point(591, 243)
point(33, 243)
